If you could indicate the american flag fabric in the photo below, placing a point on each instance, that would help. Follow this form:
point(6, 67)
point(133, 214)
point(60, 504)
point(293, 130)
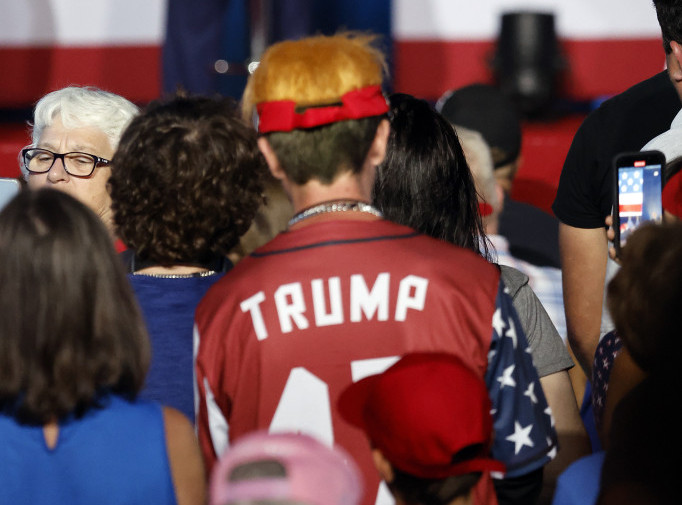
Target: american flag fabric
point(607, 350)
point(525, 438)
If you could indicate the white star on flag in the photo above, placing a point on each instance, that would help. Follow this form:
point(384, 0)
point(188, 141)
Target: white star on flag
point(552, 452)
point(548, 411)
point(530, 393)
point(520, 437)
point(511, 333)
point(506, 378)
point(498, 323)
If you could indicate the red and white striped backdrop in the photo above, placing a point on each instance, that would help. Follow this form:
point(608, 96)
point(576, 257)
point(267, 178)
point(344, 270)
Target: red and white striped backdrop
point(48, 44)
point(442, 44)
point(439, 44)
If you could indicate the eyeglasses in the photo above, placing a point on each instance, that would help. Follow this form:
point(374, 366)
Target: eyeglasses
point(40, 161)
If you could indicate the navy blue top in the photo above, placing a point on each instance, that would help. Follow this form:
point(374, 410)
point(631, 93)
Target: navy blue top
point(168, 308)
point(112, 455)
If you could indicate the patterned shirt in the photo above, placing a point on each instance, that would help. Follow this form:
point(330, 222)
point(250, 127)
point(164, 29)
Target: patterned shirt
point(545, 282)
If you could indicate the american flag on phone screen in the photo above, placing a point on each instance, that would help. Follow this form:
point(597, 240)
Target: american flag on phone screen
point(631, 193)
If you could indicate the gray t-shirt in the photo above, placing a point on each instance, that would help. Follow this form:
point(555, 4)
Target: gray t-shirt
point(548, 350)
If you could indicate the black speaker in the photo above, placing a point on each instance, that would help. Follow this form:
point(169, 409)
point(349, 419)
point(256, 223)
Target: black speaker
point(527, 61)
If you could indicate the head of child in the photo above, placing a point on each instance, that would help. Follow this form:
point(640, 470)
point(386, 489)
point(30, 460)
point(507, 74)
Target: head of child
point(285, 469)
point(428, 421)
point(319, 105)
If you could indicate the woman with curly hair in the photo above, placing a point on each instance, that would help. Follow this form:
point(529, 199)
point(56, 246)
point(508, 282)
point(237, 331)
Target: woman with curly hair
point(73, 357)
point(187, 182)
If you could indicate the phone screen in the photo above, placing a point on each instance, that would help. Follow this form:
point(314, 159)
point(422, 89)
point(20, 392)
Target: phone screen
point(8, 188)
point(639, 195)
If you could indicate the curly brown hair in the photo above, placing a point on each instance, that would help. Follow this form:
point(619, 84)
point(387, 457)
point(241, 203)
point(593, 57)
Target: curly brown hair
point(187, 180)
point(645, 297)
point(70, 328)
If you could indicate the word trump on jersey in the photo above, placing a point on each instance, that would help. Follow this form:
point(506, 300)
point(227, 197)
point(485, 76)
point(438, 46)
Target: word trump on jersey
point(327, 302)
point(283, 333)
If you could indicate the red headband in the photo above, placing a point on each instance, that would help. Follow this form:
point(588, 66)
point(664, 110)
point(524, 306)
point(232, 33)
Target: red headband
point(672, 195)
point(281, 115)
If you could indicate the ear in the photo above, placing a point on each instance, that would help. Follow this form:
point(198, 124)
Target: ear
point(271, 158)
point(382, 465)
point(377, 151)
point(675, 62)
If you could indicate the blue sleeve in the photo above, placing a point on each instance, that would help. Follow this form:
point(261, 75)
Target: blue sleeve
point(525, 439)
point(579, 483)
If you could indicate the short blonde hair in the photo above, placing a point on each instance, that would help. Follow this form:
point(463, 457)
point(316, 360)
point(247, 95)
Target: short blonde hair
point(314, 70)
point(480, 161)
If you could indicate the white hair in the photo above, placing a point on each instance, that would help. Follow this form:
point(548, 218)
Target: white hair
point(479, 158)
point(84, 107)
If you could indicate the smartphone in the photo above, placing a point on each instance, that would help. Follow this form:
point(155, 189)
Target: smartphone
point(8, 188)
point(638, 183)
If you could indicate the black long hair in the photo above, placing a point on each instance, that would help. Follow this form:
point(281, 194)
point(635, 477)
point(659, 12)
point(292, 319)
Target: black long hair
point(425, 182)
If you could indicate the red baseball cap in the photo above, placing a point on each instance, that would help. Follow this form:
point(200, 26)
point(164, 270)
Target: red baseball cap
point(429, 414)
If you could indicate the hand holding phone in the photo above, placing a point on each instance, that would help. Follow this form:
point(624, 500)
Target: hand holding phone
point(638, 183)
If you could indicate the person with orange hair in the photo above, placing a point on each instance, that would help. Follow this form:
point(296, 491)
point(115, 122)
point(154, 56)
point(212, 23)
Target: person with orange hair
point(343, 293)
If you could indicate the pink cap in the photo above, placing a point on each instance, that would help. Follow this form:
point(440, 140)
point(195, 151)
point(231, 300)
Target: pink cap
point(285, 466)
point(429, 414)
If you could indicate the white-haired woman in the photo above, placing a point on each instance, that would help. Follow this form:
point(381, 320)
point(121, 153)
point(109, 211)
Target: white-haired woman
point(75, 133)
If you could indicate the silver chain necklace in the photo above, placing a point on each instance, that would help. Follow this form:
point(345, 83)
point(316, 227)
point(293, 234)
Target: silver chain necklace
point(335, 206)
point(204, 273)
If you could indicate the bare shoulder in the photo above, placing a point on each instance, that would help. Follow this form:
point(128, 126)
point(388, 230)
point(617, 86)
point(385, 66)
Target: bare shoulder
point(187, 469)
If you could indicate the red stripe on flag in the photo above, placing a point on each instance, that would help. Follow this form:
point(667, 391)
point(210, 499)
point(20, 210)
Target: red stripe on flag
point(630, 209)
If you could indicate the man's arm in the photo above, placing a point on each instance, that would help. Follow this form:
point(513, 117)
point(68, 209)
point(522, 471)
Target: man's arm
point(573, 440)
point(583, 259)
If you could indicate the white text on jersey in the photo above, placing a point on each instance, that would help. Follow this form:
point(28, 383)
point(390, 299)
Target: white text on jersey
point(370, 303)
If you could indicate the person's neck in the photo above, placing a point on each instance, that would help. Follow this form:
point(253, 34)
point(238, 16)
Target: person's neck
point(346, 186)
point(466, 499)
point(172, 270)
point(491, 225)
point(345, 198)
